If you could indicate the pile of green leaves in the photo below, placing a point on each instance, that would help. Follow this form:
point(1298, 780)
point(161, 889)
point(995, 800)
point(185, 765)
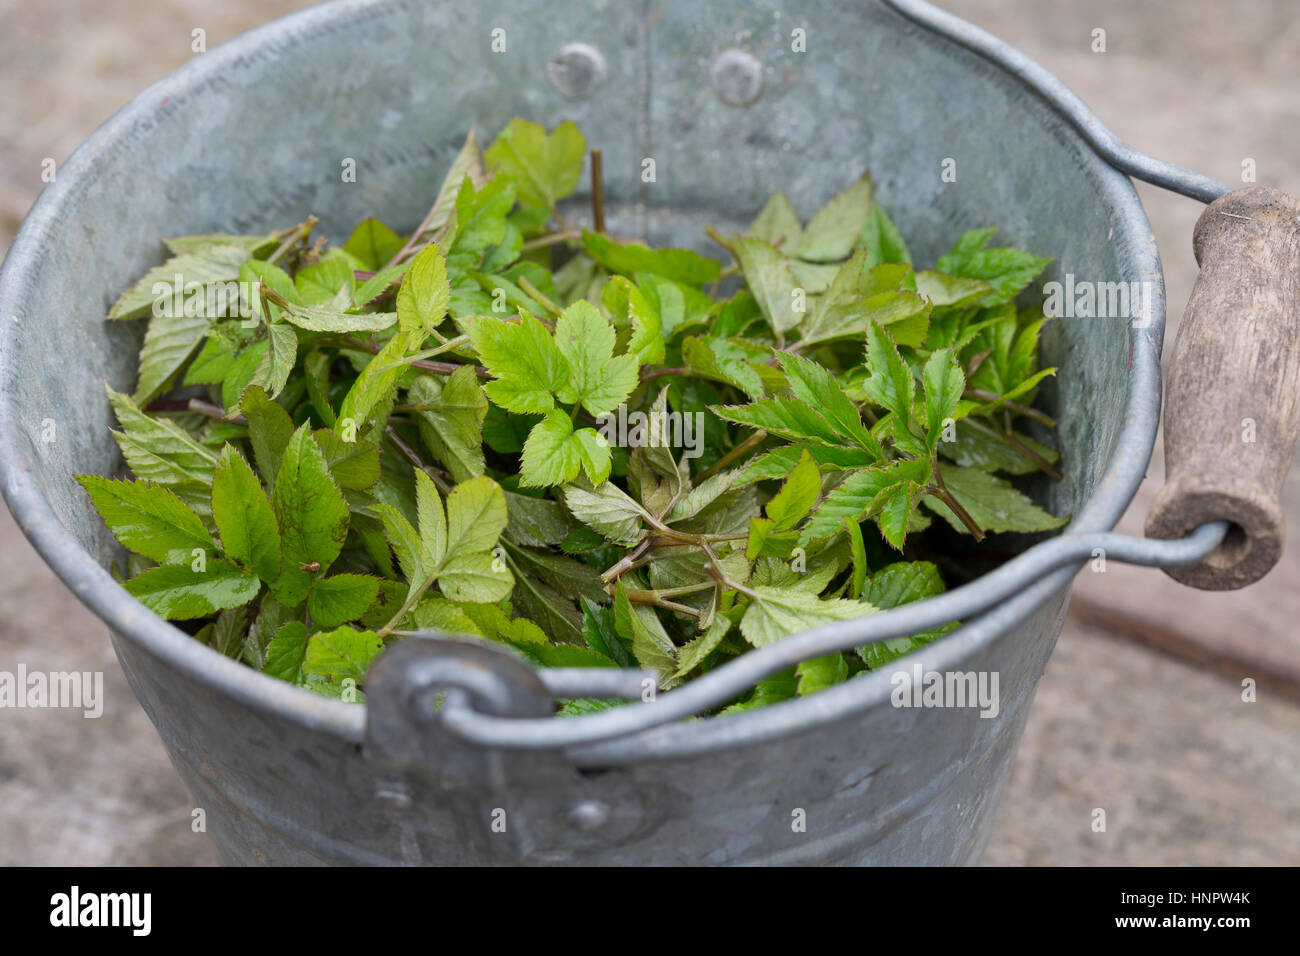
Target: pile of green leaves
point(405, 433)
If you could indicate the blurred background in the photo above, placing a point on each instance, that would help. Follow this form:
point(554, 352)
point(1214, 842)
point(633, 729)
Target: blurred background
point(1140, 711)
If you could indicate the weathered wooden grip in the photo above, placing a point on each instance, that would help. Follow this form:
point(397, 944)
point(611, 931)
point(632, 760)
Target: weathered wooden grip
point(1232, 403)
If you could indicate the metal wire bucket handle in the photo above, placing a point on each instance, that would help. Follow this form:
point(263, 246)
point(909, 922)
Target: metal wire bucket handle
point(1217, 523)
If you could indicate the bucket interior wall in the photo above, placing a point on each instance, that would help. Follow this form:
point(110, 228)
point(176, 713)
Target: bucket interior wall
point(256, 135)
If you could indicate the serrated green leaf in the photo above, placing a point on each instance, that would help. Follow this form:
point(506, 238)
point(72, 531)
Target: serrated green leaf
point(890, 384)
point(893, 586)
point(373, 244)
point(551, 455)
point(169, 341)
point(628, 303)
point(944, 384)
point(904, 313)
point(586, 340)
point(969, 243)
point(882, 241)
point(376, 386)
point(241, 373)
point(269, 431)
point(180, 245)
point(607, 509)
point(371, 289)
point(480, 219)
point(777, 223)
point(821, 672)
point(651, 646)
point(858, 555)
point(480, 577)
point(768, 275)
point(148, 518)
point(702, 358)
point(354, 465)
point(693, 654)
point(778, 462)
point(340, 598)
point(433, 525)
point(530, 369)
point(450, 417)
point(945, 291)
point(593, 450)
point(341, 654)
point(476, 516)
point(536, 522)
point(311, 513)
point(546, 167)
point(278, 359)
point(833, 229)
point(601, 634)
point(424, 294)
point(178, 592)
point(797, 496)
point(816, 387)
point(775, 613)
point(991, 502)
point(859, 495)
point(974, 449)
point(213, 362)
point(328, 282)
point(243, 515)
point(628, 259)
point(468, 162)
point(206, 264)
point(894, 512)
point(786, 417)
point(285, 652)
point(405, 542)
point(157, 450)
point(323, 319)
point(1006, 270)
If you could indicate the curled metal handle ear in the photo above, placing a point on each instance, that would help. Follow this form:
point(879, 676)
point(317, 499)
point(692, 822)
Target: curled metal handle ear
point(405, 689)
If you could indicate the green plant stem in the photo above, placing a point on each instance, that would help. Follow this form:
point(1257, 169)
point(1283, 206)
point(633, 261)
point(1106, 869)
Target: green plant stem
point(651, 374)
point(660, 599)
point(551, 239)
point(438, 368)
point(739, 451)
point(298, 232)
point(597, 192)
point(538, 296)
point(414, 459)
point(626, 563)
point(719, 574)
point(1014, 443)
point(411, 601)
point(980, 395)
point(447, 345)
point(940, 491)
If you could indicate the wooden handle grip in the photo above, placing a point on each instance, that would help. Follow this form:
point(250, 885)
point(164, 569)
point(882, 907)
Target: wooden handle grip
point(1232, 403)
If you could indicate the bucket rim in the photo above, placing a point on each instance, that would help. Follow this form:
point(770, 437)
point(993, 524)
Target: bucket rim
point(128, 618)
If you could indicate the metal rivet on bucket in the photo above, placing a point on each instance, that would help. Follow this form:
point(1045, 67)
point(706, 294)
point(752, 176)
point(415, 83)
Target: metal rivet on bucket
point(737, 77)
point(576, 70)
point(395, 796)
point(588, 814)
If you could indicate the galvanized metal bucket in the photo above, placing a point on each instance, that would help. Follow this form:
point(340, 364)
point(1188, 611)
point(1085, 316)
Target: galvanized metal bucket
point(255, 132)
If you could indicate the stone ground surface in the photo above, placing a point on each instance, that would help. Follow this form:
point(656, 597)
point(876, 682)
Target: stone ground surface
point(1186, 771)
